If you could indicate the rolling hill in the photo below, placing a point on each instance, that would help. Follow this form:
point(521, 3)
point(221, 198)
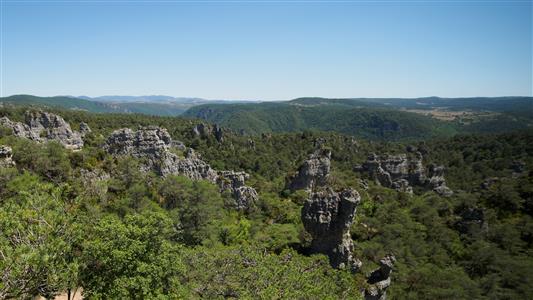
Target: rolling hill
point(381, 119)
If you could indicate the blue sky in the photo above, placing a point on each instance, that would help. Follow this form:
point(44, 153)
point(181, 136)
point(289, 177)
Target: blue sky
point(267, 50)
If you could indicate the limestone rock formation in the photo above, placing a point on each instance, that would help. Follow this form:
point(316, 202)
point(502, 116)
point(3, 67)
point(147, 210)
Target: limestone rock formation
point(6, 154)
point(159, 153)
point(204, 130)
point(84, 129)
point(437, 182)
point(192, 166)
point(313, 173)
point(200, 130)
point(327, 215)
point(219, 134)
point(235, 183)
point(379, 280)
point(42, 126)
point(401, 172)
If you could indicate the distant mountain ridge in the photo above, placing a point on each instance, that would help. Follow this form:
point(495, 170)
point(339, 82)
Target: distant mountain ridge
point(66, 102)
point(148, 105)
point(149, 98)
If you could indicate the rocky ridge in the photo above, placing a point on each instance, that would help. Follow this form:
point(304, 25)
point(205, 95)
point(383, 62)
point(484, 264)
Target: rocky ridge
point(401, 172)
point(42, 126)
point(159, 153)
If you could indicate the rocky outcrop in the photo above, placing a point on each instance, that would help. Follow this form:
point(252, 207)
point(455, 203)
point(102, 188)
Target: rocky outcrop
point(191, 166)
point(150, 143)
point(235, 183)
point(379, 280)
point(42, 126)
point(313, 173)
point(6, 155)
point(84, 129)
point(327, 215)
point(166, 157)
point(402, 172)
point(436, 181)
point(205, 130)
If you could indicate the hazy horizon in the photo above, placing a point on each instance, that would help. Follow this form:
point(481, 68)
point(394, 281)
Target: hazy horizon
point(266, 100)
point(267, 50)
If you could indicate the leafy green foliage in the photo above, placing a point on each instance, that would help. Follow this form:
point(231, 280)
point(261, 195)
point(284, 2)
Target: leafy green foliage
point(38, 240)
point(247, 273)
point(132, 258)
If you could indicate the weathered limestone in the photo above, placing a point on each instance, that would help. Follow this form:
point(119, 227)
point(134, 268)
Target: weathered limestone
point(84, 129)
point(327, 215)
point(437, 182)
point(313, 173)
point(6, 154)
point(42, 126)
point(401, 172)
point(162, 155)
point(235, 183)
point(205, 130)
point(379, 280)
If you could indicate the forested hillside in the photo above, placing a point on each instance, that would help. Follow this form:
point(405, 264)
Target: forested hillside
point(159, 210)
point(376, 119)
point(371, 123)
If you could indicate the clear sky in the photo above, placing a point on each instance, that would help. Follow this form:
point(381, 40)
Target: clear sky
point(267, 50)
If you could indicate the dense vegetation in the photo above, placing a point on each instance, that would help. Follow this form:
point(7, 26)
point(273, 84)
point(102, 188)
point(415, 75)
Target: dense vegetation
point(371, 123)
point(377, 119)
point(136, 235)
